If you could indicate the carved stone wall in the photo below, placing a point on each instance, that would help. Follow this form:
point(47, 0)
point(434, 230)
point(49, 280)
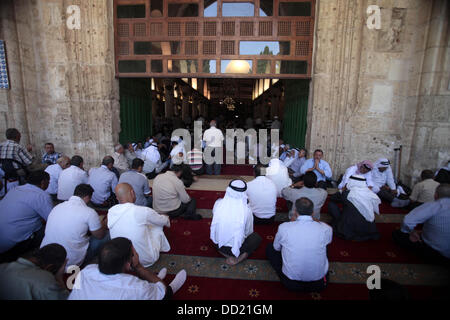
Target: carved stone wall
point(63, 87)
point(371, 87)
point(372, 90)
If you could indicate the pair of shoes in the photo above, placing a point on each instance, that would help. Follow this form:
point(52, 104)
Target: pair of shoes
point(194, 217)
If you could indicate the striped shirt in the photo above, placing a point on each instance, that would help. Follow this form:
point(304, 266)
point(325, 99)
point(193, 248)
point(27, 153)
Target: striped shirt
point(195, 159)
point(12, 150)
point(51, 158)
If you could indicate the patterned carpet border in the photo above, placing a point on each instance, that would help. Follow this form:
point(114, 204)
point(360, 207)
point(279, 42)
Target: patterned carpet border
point(340, 272)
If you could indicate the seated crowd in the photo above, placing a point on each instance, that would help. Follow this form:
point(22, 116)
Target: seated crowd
point(49, 220)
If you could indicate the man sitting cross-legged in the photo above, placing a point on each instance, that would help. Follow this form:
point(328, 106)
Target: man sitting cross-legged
point(139, 182)
point(423, 191)
point(38, 275)
point(433, 241)
point(54, 170)
point(71, 177)
point(76, 227)
point(142, 225)
point(232, 224)
point(299, 251)
point(22, 213)
point(309, 190)
point(170, 196)
point(110, 279)
point(320, 167)
point(103, 180)
point(356, 220)
point(262, 197)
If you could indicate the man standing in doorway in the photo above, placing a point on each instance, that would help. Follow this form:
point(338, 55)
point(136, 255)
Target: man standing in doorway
point(213, 138)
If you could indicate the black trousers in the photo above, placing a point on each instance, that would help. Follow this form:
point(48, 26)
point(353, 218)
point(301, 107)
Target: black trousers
point(420, 248)
point(187, 176)
point(322, 185)
point(169, 293)
point(250, 244)
point(185, 210)
point(276, 261)
point(257, 220)
point(199, 172)
point(386, 195)
point(23, 247)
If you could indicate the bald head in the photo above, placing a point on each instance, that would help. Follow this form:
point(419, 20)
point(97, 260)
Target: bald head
point(64, 162)
point(125, 193)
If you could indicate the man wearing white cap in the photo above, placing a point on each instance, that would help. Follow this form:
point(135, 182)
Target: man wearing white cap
point(232, 224)
point(356, 221)
point(152, 160)
point(383, 180)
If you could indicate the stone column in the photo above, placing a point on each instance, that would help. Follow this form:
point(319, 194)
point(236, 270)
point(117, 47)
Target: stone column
point(12, 102)
point(169, 104)
point(336, 76)
point(430, 147)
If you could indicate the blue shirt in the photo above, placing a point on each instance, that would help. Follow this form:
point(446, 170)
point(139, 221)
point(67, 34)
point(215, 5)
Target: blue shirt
point(51, 158)
point(323, 165)
point(21, 214)
point(436, 224)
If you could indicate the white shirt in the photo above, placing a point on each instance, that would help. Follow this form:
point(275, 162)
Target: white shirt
point(68, 224)
point(213, 137)
point(262, 197)
point(120, 162)
point(382, 178)
point(303, 244)
point(95, 285)
point(151, 154)
point(68, 180)
point(352, 171)
point(143, 226)
point(103, 181)
point(179, 148)
point(54, 171)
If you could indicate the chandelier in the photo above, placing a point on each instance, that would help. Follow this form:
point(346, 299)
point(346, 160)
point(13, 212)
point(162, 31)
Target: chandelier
point(229, 103)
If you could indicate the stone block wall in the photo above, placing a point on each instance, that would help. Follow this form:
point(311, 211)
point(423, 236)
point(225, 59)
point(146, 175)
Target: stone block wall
point(374, 90)
point(63, 87)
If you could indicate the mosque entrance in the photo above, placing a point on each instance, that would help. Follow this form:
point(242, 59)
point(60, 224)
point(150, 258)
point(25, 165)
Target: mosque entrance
point(152, 106)
point(234, 60)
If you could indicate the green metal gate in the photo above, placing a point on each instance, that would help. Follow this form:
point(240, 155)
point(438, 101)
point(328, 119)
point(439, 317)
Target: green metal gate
point(295, 112)
point(135, 110)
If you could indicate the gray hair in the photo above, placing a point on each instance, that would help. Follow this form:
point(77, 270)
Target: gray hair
point(117, 147)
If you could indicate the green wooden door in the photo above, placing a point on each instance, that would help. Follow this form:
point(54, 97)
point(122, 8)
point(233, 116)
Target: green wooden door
point(135, 110)
point(295, 112)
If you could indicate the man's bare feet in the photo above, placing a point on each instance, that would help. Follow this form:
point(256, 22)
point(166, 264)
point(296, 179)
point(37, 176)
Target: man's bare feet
point(233, 261)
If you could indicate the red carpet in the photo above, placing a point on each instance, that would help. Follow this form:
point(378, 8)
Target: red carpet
point(192, 238)
point(199, 288)
point(237, 170)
